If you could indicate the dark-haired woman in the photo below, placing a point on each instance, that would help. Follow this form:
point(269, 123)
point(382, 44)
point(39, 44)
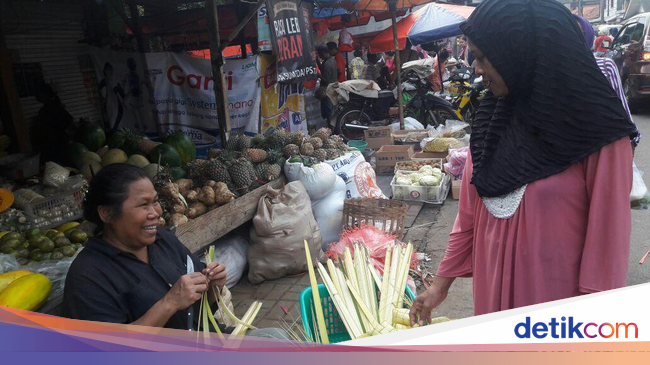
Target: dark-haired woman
point(131, 272)
point(544, 211)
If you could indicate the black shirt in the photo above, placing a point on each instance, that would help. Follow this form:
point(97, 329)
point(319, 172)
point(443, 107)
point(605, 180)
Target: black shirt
point(105, 284)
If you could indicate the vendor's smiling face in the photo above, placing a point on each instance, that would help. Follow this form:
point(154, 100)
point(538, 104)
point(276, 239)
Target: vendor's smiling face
point(136, 226)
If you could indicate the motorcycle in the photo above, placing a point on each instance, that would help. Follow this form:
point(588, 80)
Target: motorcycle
point(361, 113)
point(425, 106)
point(468, 89)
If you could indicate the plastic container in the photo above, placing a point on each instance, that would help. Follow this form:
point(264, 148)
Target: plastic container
point(359, 144)
point(335, 328)
point(69, 202)
point(425, 194)
point(20, 165)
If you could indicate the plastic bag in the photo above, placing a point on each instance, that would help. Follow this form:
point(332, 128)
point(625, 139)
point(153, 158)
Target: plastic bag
point(451, 129)
point(359, 176)
point(409, 124)
point(55, 175)
point(639, 189)
point(328, 213)
point(456, 162)
point(284, 220)
point(231, 251)
point(377, 242)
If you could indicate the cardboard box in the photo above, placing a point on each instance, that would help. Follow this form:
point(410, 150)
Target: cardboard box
point(414, 135)
point(455, 189)
point(389, 155)
point(384, 170)
point(430, 155)
point(378, 137)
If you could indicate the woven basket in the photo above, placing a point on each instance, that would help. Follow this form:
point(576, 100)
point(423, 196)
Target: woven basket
point(385, 214)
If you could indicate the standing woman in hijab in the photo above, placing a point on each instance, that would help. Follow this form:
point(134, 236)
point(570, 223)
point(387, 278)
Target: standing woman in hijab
point(544, 210)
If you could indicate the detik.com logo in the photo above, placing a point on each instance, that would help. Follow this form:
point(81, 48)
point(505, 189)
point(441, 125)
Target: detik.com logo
point(574, 329)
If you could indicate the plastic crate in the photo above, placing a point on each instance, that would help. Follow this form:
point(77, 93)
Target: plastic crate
point(435, 162)
point(336, 330)
point(70, 202)
point(425, 194)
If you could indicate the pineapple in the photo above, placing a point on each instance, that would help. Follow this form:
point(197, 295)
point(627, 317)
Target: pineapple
point(268, 172)
point(297, 138)
point(146, 145)
point(307, 149)
point(336, 138)
point(197, 171)
point(243, 143)
point(240, 174)
point(323, 133)
point(213, 153)
point(291, 150)
point(320, 154)
point(273, 156)
point(278, 139)
point(256, 155)
point(217, 171)
point(251, 170)
point(332, 153)
point(259, 141)
point(316, 142)
point(329, 144)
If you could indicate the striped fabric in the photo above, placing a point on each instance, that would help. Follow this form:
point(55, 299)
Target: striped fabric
point(609, 69)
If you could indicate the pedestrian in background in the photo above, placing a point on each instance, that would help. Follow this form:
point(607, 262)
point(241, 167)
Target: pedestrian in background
point(327, 76)
point(356, 65)
point(339, 60)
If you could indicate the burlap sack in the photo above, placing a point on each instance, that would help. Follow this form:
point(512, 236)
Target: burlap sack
point(283, 221)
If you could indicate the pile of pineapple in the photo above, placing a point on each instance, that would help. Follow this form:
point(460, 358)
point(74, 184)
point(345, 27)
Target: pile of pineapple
point(247, 163)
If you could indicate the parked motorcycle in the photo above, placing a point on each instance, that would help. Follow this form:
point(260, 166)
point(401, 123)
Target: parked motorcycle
point(468, 89)
point(426, 107)
point(360, 113)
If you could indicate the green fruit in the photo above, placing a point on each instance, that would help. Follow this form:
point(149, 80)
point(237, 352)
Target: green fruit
point(47, 246)
point(36, 255)
point(57, 255)
point(32, 232)
point(90, 135)
point(138, 160)
point(77, 236)
point(91, 156)
point(184, 145)
point(151, 170)
point(114, 156)
point(86, 169)
point(35, 242)
point(52, 235)
point(177, 173)
point(14, 244)
point(72, 154)
point(6, 249)
point(61, 242)
point(22, 253)
point(117, 140)
point(24, 244)
point(168, 156)
point(69, 251)
point(47, 256)
point(23, 261)
point(11, 236)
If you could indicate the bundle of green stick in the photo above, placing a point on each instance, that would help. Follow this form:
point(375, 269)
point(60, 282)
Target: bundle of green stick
point(206, 317)
point(352, 286)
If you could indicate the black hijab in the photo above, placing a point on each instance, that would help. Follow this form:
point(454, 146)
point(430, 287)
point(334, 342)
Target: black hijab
point(560, 108)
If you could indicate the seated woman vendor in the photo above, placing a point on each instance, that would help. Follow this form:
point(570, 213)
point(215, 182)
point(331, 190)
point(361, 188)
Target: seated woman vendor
point(132, 272)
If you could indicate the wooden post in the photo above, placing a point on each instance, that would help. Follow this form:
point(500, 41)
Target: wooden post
point(392, 4)
point(216, 59)
point(10, 110)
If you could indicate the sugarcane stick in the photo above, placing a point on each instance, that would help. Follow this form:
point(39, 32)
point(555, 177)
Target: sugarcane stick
point(320, 318)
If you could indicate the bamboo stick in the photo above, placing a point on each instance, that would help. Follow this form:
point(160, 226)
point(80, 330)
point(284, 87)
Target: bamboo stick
point(351, 325)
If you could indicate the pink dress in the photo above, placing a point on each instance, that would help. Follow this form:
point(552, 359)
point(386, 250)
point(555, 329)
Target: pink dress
point(569, 236)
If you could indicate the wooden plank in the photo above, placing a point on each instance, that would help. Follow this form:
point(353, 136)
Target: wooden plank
point(204, 230)
point(412, 213)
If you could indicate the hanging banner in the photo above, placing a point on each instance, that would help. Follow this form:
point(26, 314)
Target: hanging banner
point(263, 30)
point(292, 39)
point(180, 96)
point(283, 105)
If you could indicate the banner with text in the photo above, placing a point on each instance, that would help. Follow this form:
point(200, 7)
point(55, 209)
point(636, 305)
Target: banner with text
point(292, 40)
point(283, 105)
point(180, 96)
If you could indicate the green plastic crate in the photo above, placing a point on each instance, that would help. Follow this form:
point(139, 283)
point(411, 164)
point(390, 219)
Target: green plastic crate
point(335, 327)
